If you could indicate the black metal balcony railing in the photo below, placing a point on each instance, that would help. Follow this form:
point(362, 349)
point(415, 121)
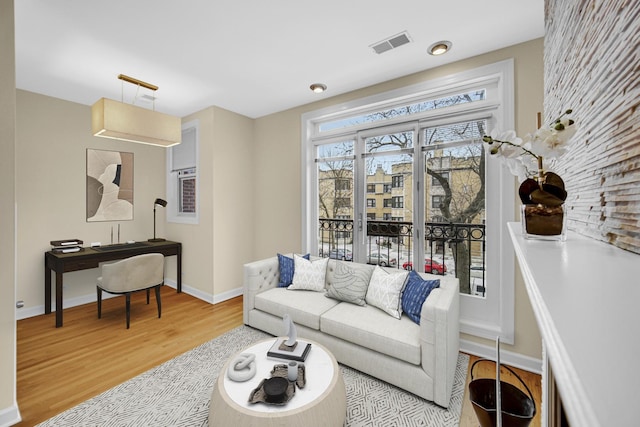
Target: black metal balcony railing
point(450, 248)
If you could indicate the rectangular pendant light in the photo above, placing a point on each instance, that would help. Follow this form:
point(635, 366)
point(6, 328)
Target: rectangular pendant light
point(126, 122)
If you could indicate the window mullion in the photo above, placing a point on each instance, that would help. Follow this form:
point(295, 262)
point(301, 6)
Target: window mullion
point(419, 197)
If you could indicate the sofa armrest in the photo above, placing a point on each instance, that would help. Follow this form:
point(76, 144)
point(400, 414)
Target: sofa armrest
point(258, 277)
point(440, 336)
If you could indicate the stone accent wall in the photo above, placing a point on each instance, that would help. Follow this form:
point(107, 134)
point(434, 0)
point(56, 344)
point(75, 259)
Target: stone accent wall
point(592, 65)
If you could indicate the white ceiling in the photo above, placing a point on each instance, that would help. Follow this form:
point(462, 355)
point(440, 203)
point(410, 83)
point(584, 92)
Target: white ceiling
point(254, 57)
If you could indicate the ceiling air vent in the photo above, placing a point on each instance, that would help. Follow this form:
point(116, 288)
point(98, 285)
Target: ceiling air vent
point(391, 43)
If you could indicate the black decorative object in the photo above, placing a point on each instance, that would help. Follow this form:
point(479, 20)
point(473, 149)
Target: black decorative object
point(275, 389)
point(158, 202)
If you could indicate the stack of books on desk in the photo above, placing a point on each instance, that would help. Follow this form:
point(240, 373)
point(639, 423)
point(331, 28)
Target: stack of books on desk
point(66, 246)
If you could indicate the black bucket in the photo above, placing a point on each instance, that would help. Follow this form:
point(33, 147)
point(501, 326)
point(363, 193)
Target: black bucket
point(517, 408)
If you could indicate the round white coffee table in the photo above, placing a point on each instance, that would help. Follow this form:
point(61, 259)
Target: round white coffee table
point(322, 402)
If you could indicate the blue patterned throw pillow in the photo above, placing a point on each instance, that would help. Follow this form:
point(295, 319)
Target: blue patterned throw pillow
point(415, 293)
point(286, 266)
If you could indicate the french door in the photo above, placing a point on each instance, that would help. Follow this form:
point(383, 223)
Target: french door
point(385, 207)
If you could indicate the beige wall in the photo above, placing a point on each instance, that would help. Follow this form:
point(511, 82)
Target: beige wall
point(8, 408)
point(52, 138)
point(278, 167)
point(233, 199)
point(197, 239)
point(215, 249)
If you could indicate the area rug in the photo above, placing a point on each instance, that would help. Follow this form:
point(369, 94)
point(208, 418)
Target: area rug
point(178, 392)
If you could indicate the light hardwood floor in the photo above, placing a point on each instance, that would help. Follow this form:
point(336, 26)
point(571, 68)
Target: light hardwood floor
point(61, 367)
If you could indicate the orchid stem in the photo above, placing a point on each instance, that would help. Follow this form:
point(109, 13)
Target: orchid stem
point(541, 176)
point(520, 147)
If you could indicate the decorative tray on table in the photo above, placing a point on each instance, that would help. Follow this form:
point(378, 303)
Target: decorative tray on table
point(278, 390)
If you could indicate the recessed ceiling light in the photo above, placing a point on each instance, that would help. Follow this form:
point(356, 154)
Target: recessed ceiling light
point(318, 87)
point(438, 48)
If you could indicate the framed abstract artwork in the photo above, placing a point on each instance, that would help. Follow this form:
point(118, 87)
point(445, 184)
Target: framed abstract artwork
point(109, 185)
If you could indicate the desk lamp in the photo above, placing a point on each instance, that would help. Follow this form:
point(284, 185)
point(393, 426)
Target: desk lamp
point(158, 202)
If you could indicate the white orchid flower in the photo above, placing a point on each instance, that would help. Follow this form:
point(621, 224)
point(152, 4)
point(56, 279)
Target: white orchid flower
point(509, 136)
point(522, 156)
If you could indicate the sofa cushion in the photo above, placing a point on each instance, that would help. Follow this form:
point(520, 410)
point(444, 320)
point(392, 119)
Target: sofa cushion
point(374, 329)
point(415, 293)
point(304, 307)
point(309, 275)
point(286, 267)
point(349, 283)
point(385, 289)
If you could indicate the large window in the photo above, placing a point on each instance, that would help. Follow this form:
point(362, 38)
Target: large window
point(423, 146)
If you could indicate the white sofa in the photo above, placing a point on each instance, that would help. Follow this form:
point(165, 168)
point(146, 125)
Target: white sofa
point(418, 358)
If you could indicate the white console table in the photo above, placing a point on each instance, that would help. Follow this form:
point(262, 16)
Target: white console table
point(586, 298)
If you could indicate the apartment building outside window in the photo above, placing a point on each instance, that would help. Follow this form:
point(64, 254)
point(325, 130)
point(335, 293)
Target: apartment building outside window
point(187, 191)
point(343, 202)
point(343, 184)
point(444, 175)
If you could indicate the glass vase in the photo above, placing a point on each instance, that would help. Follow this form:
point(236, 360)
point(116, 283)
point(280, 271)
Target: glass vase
point(544, 222)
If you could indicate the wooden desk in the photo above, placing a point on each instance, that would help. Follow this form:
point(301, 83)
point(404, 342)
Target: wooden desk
point(89, 258)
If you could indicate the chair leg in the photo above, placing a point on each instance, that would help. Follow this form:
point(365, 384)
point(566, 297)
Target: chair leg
point(99, 302)
point(147, 295)
point(128, 295)
point(158, 301)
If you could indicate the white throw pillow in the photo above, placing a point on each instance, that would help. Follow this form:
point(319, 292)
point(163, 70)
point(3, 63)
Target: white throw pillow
point(350, 282)
point(309, 275)
point(385, 290)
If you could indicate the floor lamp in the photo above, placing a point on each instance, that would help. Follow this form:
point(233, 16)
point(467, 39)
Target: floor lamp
point(158, 202)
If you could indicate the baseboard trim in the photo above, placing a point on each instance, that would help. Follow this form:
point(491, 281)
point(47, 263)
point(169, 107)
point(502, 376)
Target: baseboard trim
point(510, 358)
point(197, 293)
point(205, 296)
point(10, 416)
point(227, 295)
point(24, 313)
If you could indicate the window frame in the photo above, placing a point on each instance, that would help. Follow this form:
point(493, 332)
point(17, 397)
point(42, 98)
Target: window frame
point(483, 317)
point(434, 204)
point(436, 183)
point(342, 184)
point(174, 215)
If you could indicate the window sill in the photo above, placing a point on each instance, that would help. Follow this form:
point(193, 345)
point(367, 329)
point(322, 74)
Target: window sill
point(183, 219)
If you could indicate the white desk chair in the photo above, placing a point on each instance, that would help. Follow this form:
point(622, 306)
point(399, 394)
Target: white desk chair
point(138, 273)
